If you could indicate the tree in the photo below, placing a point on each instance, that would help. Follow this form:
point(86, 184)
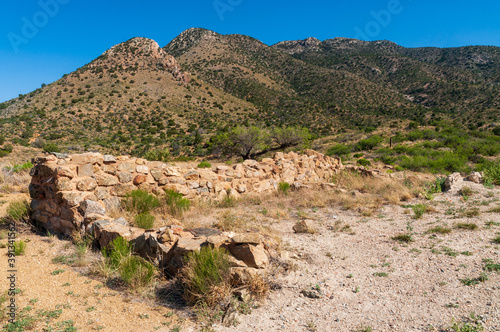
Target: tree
point(250, 142)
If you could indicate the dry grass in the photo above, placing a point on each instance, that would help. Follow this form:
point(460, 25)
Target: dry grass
point(11, 181)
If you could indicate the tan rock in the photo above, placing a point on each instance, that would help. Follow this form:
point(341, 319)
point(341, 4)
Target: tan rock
point(304, 226)
point(85, 170)
point(253, 238)
point(64, 184)
point(72, 198)
point(157, 174)
point(143, 169)
point(242, 275)
point(64, 171)
point(167, 236)
point(121, 190)
point(126, 167)
point(86, 184)
point(192, 175)
point(156, 165)
point(218, 240)
point(87, 158)
point(110, 169)
point(104, 179)
point(253, 256)
point(102, 193)
point(124, 177)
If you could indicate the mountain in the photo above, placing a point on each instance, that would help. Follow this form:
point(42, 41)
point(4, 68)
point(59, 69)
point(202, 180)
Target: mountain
point(137, 95)
point(287, 89)
point(463, 81)
point(132, 96)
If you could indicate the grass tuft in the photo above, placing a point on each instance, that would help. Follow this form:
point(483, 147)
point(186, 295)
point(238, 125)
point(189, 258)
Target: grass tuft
point(205, 276)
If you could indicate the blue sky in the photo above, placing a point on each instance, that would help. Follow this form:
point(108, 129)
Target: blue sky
point(42, 40)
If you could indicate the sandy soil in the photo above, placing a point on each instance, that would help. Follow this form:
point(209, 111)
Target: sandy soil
point(364, 279)
point(422, 290)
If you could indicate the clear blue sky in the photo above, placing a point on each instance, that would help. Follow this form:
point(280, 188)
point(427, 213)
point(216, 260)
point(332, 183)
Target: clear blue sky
point(74, 32)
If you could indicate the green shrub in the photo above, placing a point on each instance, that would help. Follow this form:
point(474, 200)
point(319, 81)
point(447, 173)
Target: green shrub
point(2, 139)
point(419, 210)
point(176, 203)
point(145, 220)
point(51, 147)
point(158, 155)
point(204, 164)
point(405, 238)
point(205, 276)
point(136, 272)
point(20, 168)
point(283, 188)
point(18, 211)
point(492, 173)
point(19, 247)
point(339, 150)
point(364, 162)
point(369, 143)
point(141, 201)
point(117, 252)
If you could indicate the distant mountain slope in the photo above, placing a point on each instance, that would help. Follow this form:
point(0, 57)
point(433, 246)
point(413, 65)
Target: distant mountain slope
point(289, 89)
point(132, 96)
point(464, 80)
point(137, 96)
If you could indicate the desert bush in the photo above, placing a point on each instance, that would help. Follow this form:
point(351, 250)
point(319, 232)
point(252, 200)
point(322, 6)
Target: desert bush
point(492, 173)
point(20, 247)
point(158, 155)
point(51, 147)
point(339, 150)
point(141, 201)
point(204, 164)
point(118, 251)
point(145, 220)
point(18, 212)
point(419, 210)
point(176, 203)
point(283, 188)
point(205, 276)
point(19, 168)
point(364, 162)
point(369, 143)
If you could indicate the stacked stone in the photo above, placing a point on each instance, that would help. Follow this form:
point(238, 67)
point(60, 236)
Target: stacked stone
point(168, 245)
point(74, 193)
point(61, 183)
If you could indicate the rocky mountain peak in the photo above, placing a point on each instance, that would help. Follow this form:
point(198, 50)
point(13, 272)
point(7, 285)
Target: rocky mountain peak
point(139, 53)
point(299, 46)
point(189, 38)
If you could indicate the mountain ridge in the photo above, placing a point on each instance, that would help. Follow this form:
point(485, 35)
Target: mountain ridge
point(205, 81)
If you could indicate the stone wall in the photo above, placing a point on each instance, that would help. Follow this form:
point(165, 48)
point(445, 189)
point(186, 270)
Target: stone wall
point(69, 192)
point(75, 192)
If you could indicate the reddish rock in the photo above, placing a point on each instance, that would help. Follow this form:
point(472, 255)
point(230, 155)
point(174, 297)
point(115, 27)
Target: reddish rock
point(141, 178)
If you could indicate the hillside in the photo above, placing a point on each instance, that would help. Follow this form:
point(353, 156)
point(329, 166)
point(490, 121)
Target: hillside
point(132, 96)
point(137, 96)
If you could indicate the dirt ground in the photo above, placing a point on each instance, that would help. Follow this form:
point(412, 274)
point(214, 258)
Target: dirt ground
point(367, 280)
point(363, 279)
